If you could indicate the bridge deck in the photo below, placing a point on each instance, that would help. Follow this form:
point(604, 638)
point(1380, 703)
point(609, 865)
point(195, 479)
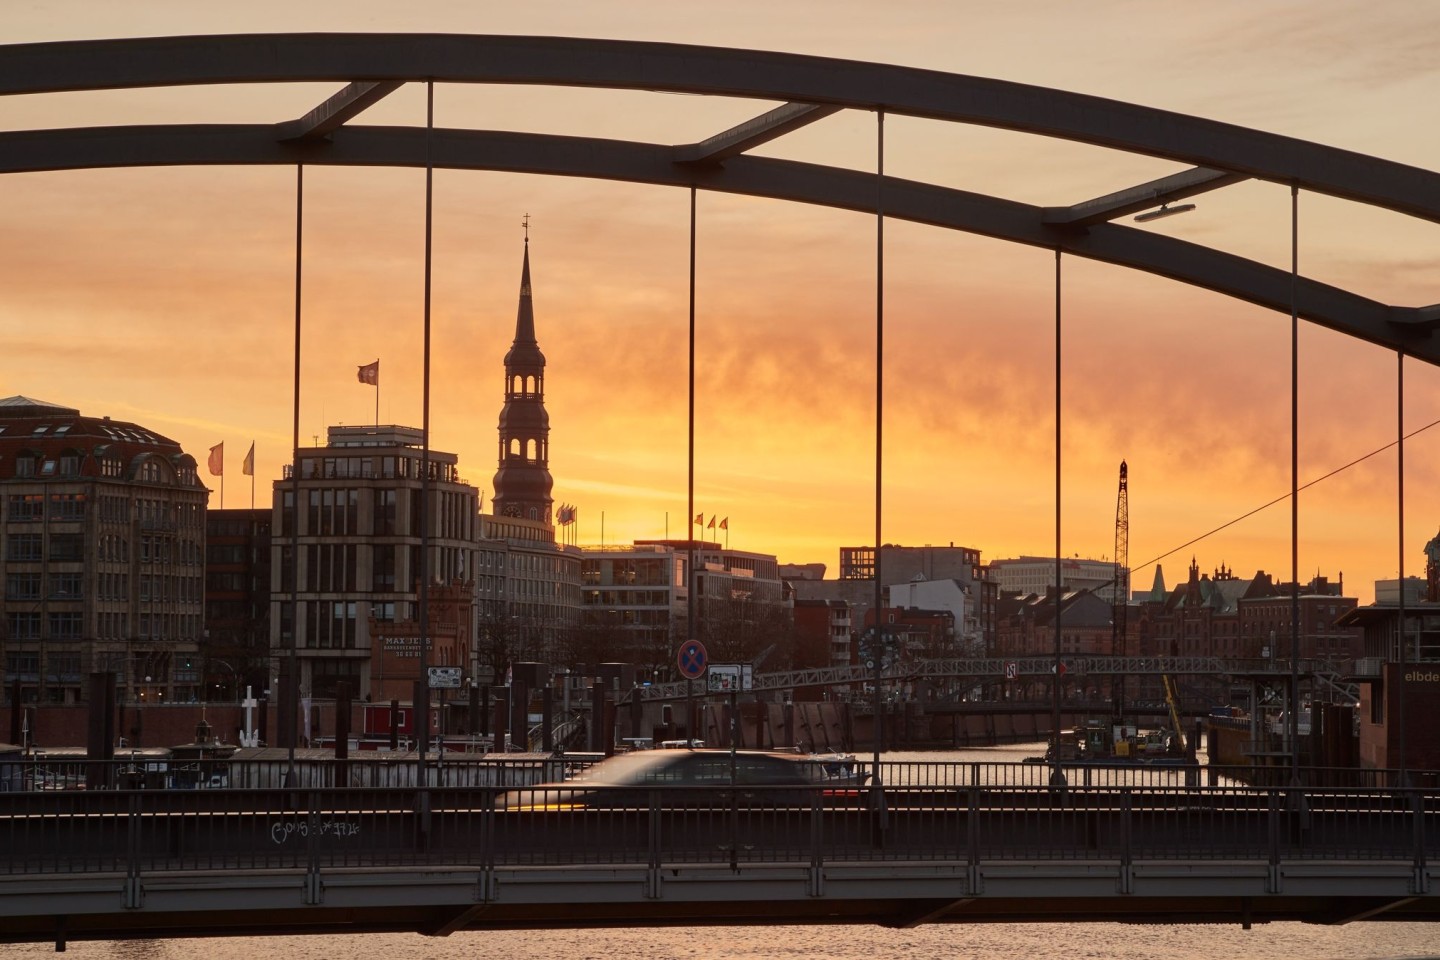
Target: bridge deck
point(99, 864)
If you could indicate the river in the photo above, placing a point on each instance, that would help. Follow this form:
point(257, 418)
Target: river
point(996, 941)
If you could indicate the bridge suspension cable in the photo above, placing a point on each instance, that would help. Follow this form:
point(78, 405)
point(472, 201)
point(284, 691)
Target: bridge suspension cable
point(1286, 496)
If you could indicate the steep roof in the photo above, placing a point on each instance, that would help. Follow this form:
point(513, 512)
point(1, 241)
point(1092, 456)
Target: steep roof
point(1157, 589)
point(20, 406)
point(49, 431)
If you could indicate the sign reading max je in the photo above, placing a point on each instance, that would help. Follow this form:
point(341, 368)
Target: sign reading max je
point(692, 660)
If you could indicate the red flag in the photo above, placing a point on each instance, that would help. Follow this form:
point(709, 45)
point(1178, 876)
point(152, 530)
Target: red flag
point(712, 521)
point(700, 519)
point(217, 459)
point(370, 373)
point(725, 524)
point(247, 466)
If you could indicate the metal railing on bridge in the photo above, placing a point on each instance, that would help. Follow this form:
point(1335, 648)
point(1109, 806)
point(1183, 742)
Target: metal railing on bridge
point(1001, 668)
point(137, 832)
point(940, 841)
point(318, 769)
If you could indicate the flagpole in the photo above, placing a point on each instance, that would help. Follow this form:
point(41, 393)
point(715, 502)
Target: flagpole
point(422, 687)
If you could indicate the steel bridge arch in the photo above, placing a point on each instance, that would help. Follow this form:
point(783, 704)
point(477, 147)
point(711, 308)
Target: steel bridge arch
point(811, 87)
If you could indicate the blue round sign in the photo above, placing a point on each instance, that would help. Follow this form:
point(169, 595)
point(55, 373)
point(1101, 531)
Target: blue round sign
point(692, 660)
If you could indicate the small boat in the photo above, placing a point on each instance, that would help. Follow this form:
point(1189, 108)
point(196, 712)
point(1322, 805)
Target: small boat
point(839, 768)
point(1106, 742)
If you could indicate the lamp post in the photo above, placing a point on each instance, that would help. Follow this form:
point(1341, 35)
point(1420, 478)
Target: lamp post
point(233, 691)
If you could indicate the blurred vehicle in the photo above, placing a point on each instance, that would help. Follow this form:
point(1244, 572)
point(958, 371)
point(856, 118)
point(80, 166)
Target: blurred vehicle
point(692, 778)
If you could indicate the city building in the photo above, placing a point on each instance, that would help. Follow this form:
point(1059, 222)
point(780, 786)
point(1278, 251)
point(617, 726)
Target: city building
point(634, 602)
point(802, 571)
point(1388, 591)
point(1027, 625)
point(908, 635)
point(960, 566)
point(103, 540)
point(1026, 575)
point(1398, 678)
point(1221, 615)
point(235, 651)
point(352, 556)
point(1398, 674)
point(636, 598)
point(528, 598)
point(822, 634)
point(947, 595)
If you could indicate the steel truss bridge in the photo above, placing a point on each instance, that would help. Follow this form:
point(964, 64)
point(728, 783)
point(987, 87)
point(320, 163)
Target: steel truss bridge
point(1022, 668)
point(372, 66)
point(954, 843)
point(104, 864)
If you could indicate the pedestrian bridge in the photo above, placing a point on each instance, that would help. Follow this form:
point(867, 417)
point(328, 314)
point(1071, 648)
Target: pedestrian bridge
point(952, 842)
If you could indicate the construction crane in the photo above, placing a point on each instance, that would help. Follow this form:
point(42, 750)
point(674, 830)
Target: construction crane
point(1121, 580)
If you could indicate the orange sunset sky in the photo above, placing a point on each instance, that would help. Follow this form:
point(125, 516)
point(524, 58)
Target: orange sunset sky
point(164, 296)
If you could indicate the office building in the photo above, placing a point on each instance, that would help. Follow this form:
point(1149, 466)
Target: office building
point(103, 540)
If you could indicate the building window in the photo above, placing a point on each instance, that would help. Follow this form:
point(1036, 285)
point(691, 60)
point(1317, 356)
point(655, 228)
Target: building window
point(67, 546)
point(383, 568)
point(384, 525)
point(65, 586)
point(22, 664)
point(23, 547)
point(26, 507)
point(22, 586)
point(66, 626)
point(67, 506)
point(23, 625)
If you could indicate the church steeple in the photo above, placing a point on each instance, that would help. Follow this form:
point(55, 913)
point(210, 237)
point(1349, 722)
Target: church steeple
point(523, 482)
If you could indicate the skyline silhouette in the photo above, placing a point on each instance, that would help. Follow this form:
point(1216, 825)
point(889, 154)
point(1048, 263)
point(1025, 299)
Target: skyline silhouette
point(164, 296)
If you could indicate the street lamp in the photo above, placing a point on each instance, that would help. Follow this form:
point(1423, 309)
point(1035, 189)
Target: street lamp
point(1165, 210)
point(229, 670)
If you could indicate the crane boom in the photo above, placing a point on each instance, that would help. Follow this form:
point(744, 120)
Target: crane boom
point(1122, 577)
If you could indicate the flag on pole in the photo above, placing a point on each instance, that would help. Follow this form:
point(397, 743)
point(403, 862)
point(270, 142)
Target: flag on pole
point(217, 459)
point(700, 519)
point(370, 373)
point(725, 524)
point(247, 466)
point(712, 521)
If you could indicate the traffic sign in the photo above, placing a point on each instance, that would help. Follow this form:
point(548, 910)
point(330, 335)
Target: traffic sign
point(1012, 669)
point(692, 660)
point(724, 677)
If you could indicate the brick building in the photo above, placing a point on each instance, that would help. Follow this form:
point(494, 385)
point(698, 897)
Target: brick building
point(1221, 615)
point(103, 540)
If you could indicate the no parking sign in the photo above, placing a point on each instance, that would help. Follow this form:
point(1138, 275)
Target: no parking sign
point(692, 660)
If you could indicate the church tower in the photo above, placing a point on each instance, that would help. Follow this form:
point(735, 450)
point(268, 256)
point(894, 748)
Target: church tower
point(523, 482)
